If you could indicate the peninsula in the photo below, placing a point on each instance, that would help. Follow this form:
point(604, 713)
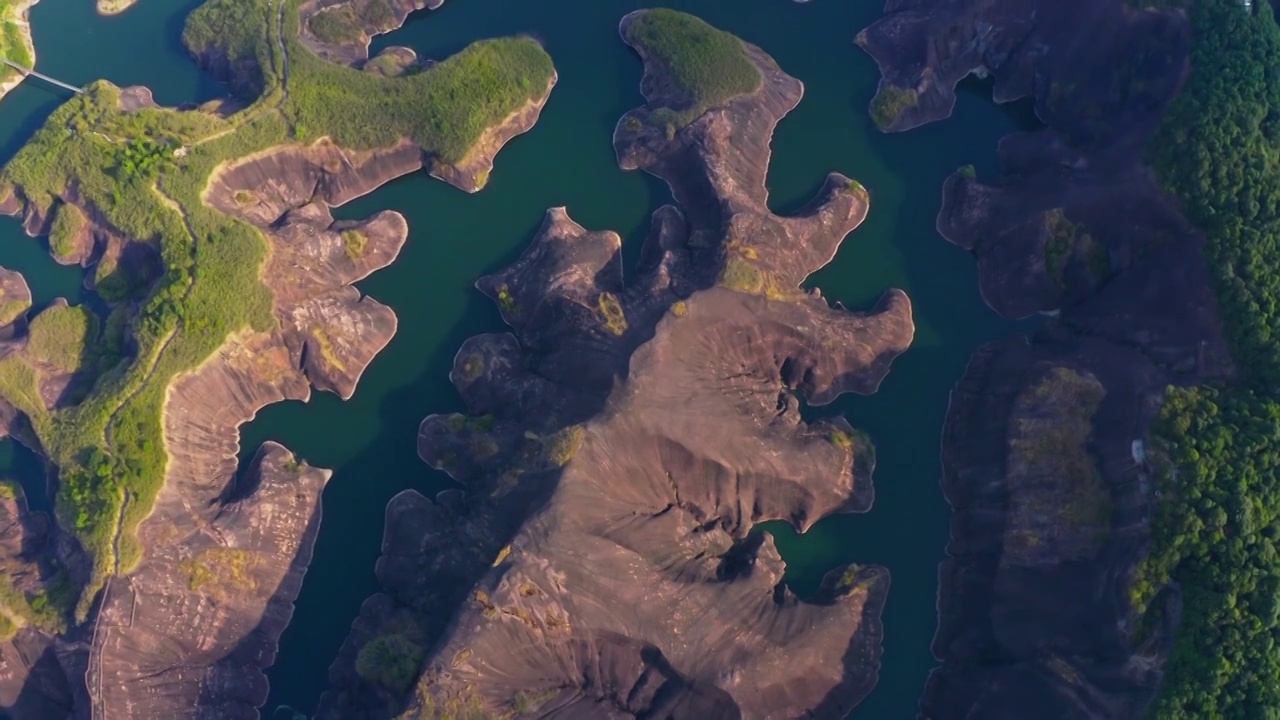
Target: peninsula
point(626, 436)
point(162, 584)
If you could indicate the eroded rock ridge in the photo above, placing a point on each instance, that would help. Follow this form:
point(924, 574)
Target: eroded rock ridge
point(621, 443)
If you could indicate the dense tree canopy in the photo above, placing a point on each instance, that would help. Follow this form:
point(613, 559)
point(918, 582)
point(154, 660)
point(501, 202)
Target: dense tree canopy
point(1216, 529)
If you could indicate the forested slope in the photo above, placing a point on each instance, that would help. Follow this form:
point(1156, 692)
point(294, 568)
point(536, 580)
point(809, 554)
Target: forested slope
point(1216, 527)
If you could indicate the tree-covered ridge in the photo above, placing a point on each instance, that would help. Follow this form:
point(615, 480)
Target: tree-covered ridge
point(708, 66)
point(1218, 150)
point(143, 171)
point(1217, 523)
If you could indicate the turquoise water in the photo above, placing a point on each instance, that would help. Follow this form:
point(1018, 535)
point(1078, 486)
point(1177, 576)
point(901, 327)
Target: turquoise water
point(568, 160)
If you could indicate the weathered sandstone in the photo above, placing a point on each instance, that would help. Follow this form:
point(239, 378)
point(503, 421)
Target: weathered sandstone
point(621, 443)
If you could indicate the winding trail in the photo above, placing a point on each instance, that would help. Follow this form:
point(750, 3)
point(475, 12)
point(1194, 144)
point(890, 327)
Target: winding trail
point(115, 542)
point(177, 207)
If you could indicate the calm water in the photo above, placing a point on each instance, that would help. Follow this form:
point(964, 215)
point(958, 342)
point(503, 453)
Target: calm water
point(568, 160)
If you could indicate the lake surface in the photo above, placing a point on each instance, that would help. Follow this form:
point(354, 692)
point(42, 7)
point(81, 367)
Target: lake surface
point(369, 441)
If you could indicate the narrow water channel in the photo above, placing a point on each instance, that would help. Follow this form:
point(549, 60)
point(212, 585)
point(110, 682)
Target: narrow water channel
point(369, 441)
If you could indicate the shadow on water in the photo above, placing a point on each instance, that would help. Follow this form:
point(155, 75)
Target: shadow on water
point(1021, 112)
point(19, 463)
point(42, 101)
point(142, 46)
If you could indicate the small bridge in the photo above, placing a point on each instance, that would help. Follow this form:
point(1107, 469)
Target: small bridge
point(42, 76)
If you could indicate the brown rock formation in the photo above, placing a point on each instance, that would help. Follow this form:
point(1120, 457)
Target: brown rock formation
point(214, 544)
point(1043, 450)
point(622, 442)
point(15, 296)
point(34, 665)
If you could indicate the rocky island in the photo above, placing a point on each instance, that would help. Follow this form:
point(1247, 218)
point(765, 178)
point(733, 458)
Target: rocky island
point(1102, 564)
point(600, 560)
point(163, 581)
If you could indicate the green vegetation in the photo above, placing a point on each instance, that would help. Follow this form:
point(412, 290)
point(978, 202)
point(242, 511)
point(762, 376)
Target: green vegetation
point(1066, 240)
point(390, 64)
point(708, 67)
point(62, 337)
point(221, 570)
point(15, 45)
point(348, 23)
point(615, 319)
point(529, 701)
point(842, 439)
point(561, 446)
point(1216, 529)
point(145, 172)
point(45, 608)
point(507, 302)
point(445, 109)
point(741, 276)
point(354, 242)
point(1062, 238)
point(1049, 440)
point(891, 102)
point(336, 25)
point(12, 307)
point(859, 190)
point(391, 661)
point(68, 223)
point(967, 171)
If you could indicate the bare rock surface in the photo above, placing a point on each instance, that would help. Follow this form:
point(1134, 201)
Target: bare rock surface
point(189, 632)
point(36, 668)
point(1044, 448)
point(621, 443)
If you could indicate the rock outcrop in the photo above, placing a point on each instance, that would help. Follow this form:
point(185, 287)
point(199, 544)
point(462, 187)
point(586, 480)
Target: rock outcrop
point(621, 443)
point(225, 556)
point(189, 632)
point(34, 666)
point(1044, 449)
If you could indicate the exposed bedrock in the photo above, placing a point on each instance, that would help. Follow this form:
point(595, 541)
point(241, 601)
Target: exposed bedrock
point(621, 443)
point(1045, 449)
point(15, 296)
point(40, 675)
point(188, 634)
